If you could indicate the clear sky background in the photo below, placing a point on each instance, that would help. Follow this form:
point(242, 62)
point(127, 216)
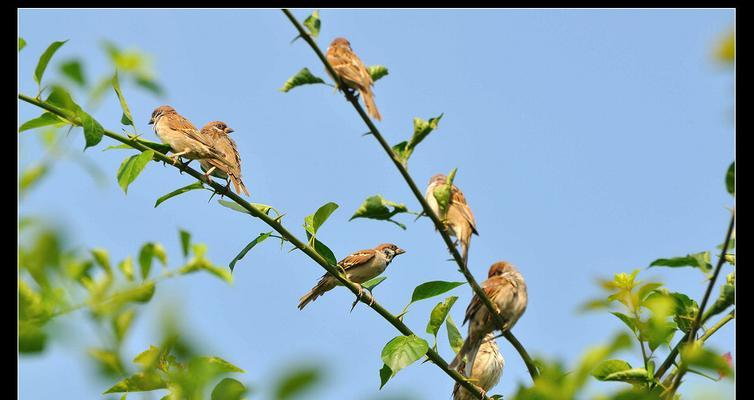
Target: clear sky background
point(588, 143)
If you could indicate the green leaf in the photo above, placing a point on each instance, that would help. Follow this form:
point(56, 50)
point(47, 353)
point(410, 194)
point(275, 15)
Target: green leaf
point(140, 294)
point(442, 193)
point(131, 168)
point(73, 70)
point(102, 258)
point(220, 364)
point(126, 119)
point(108, 360)
point(726, 298)
point(303, 77)
point(730, 179)
point(185, 242)
point(296, 383)
point(402, 351)
point(697, 260)
point(236, 207)
point(372, 283)
point(127, 268)
point(377, 72)
point(259, 239)
point(325, 252)
point(122, 322)
point(685, 312)
point(150, 85)
point(45, 119)
point(146, 254)
point(31, 176)
point(433, 288)
point(438, 314)
point(634, 375)
point(21, 43)
point(696, 355)
point(139, 382)
point(312, 23)
point(148, 358)
point(320, 216)
point(422, 128)
point(60, 98)
point(376, 207)
point(608, 367)
point(629, 321)
point(31, 338)
point(45, 59)
point(93, 131)
point(194, 186)
point(454, 336)
point(228, 389)
point(385, 374)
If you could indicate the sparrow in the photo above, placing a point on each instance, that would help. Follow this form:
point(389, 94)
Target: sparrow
point(352, 72)
point(359, 267)
point(506, 288)
point(182, 136)
point(458, 218)
point(486, 372)
point(217, 132)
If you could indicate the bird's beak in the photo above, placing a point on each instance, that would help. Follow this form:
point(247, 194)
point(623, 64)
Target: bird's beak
point(229, 130)
point(399, 251)
point(151, 121)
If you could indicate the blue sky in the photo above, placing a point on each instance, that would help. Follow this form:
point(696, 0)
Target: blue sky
point(588, 142)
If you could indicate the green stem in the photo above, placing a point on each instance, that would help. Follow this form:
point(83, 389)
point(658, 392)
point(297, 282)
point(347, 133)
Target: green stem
point(499, 321)
point(306, 249)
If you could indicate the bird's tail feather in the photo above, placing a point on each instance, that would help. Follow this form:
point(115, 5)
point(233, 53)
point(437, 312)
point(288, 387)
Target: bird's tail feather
point(318, 290)
point(238, 185)
point(470, 347)
point(371, 106)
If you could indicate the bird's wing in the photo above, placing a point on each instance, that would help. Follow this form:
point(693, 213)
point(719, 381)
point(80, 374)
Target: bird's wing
point(183, 125)
point(357, 258)
point(350, 68)
point(226, 145)
point(459, 201)
point(494, 288)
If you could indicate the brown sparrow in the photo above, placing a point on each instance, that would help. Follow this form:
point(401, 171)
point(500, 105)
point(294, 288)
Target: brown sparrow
point(458, 218)
point(182, 136)
point(487, 370)
point(506, 288)
point(359, 267)
point(217, 132)
point(352, 72)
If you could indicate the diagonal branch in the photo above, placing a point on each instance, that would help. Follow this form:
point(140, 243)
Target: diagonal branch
point(499, 321)
point(274, 224)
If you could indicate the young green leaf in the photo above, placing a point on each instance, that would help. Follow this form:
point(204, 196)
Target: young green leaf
point(629, 321)
point(321, 215)
point(372, 283)
point(433, 288)
point(93, 131)
point(31, 176)
point(696, 355)
point(377, 72)
point(139, 382)
point(150, 85)
point(21, 43)
point(44, 60)
point(385, 374)
point(228, 389)
point(74, 70)
point(422, 128)
point(313, 23)
point(122, 322)
point(185, 242)
point(146, 254)
point(443, 193)
point(220, 364)
point(376, 207)
point(303, 77)
point(325, 252)
point(730, 179)
point(697, 260)
point(402, 351)
point(607, 367)
point(127, 268)
point(454, 336)
point(102, 258)
point(46, 119)
point(437, 317)
point(296, 382)
point(131, 168)
point(194, 186)
point(256, 241)
point(60, 98)
point(126, 119)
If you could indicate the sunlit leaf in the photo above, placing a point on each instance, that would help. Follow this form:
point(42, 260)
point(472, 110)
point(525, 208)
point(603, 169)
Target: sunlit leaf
point(315, 221)
point(194, 186)
point(402, 351)
point(607, 367)
point(21, 43)
point(122, 323)
point(185, 241)
point(126, 119)
point(372, 283)
point(385, 374)
point(131, 168)
point(696, 260)
point(108, 361)
point(127, 268)
point(228, 389)
point(32, 175)
point(377, 72)
point(437, 317)
point(422, 129)
point(296, 382)
point(139, 382)
point(93, 131)
point(220, 364)
point(433, 288)
point(45, 119)
point(313, 23)
point(44, 59)
point(376, 207)
point(259, 239)
point(697, 355)
point(303, 77)
point(730, 179)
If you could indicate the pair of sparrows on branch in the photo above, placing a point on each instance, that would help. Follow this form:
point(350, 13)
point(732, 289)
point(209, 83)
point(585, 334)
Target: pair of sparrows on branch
point(216, 151)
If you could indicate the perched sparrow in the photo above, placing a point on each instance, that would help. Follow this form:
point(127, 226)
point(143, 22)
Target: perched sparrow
point(359, 267)
point(487, 370)
point(217, 132)
point(182, 136)
point(506, 288)
point(458, 217)
point(352, 72)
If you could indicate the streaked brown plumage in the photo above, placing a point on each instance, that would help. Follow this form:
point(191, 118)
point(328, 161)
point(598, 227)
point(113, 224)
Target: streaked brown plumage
point(352, 72)
point(458, 218)
point(360, 267)
point(182, 136)
point(486, 372)
point(506, 288)
point(217, 132)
